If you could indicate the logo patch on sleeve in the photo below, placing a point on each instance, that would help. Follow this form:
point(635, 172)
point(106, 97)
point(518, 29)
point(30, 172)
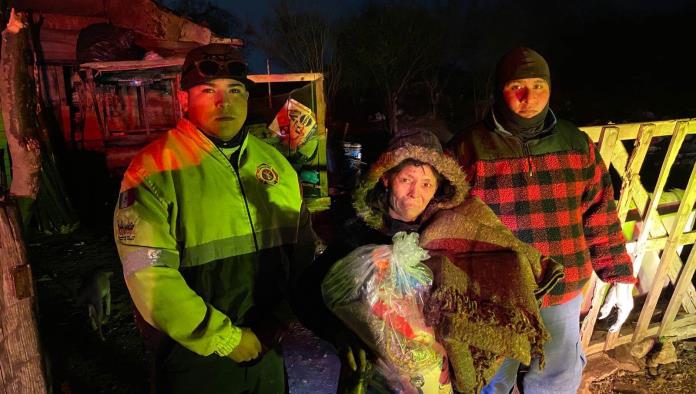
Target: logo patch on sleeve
point(126, 198)
point(126, 230)
point(266, 174)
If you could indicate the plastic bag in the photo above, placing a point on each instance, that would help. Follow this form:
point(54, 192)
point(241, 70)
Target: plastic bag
point(378, 291)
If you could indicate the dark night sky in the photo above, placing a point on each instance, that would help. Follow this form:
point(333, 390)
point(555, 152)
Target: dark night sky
point(600, 51)
point(255, 11)
point(655, 15)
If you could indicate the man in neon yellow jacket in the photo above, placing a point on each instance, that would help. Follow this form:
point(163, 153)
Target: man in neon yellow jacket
point(210, 229)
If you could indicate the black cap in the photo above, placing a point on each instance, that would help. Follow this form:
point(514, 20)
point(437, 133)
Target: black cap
point(214, 61)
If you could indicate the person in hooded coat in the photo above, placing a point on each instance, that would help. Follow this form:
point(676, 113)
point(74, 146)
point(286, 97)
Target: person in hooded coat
point(414, 187)
point(546, 182)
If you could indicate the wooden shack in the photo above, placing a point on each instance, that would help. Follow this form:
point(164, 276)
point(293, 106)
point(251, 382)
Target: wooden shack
point(116, 107)
point(59, 24)
point(125, 105)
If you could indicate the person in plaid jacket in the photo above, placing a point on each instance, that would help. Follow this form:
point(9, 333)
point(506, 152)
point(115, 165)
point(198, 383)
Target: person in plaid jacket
point(546, 181)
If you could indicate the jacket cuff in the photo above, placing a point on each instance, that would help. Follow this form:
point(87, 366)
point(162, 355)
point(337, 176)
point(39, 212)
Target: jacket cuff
point(225, 345)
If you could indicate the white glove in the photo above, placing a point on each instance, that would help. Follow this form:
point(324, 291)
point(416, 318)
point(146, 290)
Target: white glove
point(620, 296)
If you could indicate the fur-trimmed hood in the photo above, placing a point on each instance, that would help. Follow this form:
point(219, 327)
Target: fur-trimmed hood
point(445, 165)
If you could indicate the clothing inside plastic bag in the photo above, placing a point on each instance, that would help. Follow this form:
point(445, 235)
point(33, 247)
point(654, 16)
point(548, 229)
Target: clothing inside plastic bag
point(378, 292)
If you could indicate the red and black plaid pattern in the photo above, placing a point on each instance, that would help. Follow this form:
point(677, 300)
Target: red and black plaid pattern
point(562, 203)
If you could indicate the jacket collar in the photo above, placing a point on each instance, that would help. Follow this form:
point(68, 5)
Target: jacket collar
point(491, 121)
point(203, 142)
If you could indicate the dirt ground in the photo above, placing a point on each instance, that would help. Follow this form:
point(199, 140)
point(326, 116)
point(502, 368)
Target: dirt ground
point(677, 377)
point(81, 363)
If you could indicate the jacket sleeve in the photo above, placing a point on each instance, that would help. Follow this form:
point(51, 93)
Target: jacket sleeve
point(144, 231)
point(602, 229)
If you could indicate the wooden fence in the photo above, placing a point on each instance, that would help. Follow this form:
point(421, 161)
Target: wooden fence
point(656, 235)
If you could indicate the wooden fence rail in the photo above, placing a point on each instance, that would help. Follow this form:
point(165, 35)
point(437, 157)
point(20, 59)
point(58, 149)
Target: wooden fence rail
point(654, 235)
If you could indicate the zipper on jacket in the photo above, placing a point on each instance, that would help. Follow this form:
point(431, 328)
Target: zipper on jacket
point(233, 163)
point(246, 205)
point(528, 156)
point(232, 160)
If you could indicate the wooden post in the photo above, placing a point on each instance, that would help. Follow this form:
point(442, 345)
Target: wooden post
point(607, 144)
point(268, 72)
point(323, 135)
point(20, 356)
point(632, 177)
point(19, 108)
point(688, 270)
point(600, 291)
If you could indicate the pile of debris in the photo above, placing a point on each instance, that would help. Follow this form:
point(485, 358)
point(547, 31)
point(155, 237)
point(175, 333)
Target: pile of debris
point(648, 366)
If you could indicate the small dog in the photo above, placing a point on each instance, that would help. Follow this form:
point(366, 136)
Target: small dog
point(96, 294)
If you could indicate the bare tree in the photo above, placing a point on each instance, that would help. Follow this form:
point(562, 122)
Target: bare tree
point(440, 68)
point(302, 42)
point(391, 46)
point(298, 40)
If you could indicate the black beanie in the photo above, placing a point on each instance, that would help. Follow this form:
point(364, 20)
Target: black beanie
point(519, 63)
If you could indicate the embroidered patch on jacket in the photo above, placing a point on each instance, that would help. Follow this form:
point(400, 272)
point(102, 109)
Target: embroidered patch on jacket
point(126, 198)
point(266, 174)
point(126, 230)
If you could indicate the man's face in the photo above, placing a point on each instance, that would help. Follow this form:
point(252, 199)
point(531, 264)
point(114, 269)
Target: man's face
point(410, 191)
point(526, 97)
point(218, 107)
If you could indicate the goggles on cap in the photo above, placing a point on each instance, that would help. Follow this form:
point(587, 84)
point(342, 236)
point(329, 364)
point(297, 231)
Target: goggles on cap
point(218, 68)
